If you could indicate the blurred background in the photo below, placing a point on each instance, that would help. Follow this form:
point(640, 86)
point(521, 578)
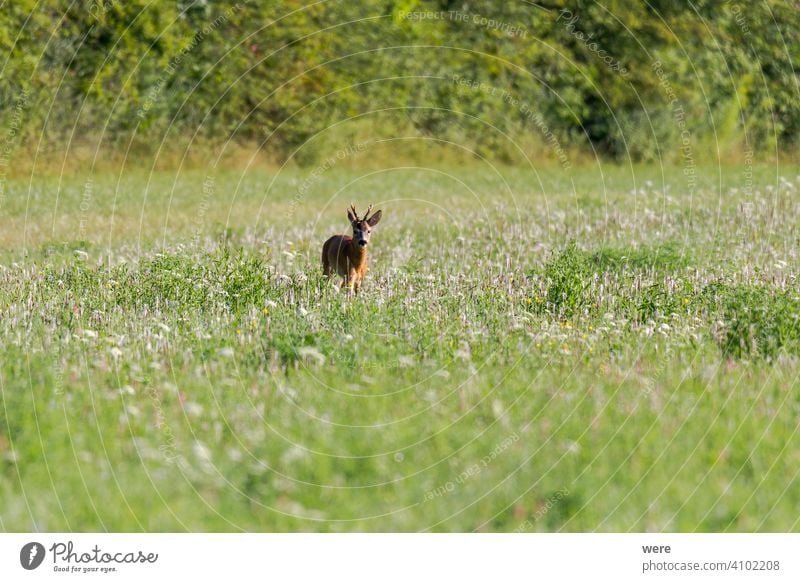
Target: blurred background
point(689, 82)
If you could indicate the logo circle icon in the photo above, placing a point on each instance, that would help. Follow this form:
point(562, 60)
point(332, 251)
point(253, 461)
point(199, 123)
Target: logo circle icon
point(31, 555)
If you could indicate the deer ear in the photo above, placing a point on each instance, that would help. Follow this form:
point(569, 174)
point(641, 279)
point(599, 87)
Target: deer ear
point(375, 218)
point(351, 217)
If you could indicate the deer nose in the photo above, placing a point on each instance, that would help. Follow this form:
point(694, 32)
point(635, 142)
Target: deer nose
point(362, 243)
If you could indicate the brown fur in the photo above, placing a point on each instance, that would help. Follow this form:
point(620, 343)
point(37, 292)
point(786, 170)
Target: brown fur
point(343, 254)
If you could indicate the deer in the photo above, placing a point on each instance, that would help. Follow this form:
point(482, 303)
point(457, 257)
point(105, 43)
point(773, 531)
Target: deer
point(347, 255)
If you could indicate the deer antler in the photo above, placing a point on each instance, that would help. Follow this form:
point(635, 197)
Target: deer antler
point(367, 213)
point(353, 210)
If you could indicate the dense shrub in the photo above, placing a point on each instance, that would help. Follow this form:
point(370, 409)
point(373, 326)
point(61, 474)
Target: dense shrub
point(757, 322)
point(278, 73)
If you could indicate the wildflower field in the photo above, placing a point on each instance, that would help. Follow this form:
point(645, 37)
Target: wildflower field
point(607, 348)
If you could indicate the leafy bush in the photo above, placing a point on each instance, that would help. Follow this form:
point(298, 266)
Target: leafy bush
point(571, 278)
point(151, 75)
point(569, 275)
point(758, 323)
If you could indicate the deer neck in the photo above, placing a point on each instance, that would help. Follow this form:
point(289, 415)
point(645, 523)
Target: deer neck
point(358, 254)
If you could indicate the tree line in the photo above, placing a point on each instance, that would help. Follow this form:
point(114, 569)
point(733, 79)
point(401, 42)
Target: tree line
point(647, 80)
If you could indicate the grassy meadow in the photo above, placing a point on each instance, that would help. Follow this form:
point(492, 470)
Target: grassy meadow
point(603, 348)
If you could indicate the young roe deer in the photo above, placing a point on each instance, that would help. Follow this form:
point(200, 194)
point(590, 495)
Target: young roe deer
point(347, 255)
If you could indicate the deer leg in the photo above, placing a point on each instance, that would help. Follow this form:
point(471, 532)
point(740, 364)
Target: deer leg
point(326, 264)
point(352, 280)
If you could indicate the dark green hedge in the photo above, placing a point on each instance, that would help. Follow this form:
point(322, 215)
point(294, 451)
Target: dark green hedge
point(658, 79)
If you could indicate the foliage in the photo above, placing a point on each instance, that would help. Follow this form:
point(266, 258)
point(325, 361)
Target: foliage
point(503, 80)
point(758, 322)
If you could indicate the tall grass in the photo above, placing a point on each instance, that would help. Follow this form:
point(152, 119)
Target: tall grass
point(521, 358)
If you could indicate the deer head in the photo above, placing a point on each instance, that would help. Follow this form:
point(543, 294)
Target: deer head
point(362, 227)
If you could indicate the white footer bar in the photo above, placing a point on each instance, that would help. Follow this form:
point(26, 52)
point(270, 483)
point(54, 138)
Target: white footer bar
point(401, 557)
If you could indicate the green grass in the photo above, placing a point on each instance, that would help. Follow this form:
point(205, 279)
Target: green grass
point(529, 352)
